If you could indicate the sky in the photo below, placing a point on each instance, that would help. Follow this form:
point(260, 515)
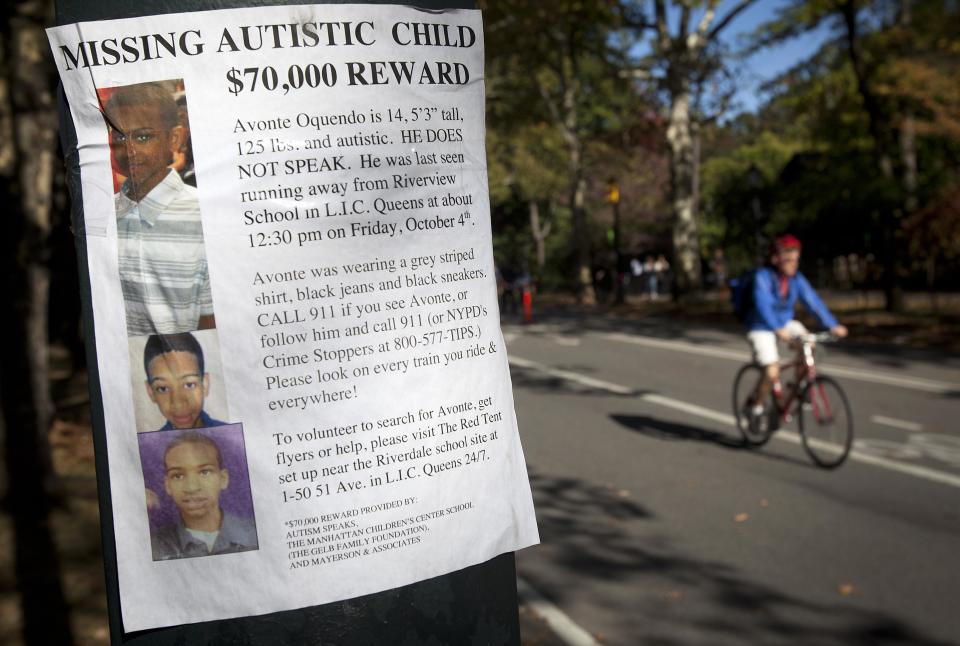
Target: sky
point(764, 65)
point(770, 62)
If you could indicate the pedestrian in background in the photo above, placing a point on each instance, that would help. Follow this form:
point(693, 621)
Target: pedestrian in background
point(650, 270)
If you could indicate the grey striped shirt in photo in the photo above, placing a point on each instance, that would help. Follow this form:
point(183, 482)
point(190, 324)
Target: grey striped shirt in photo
point(163, 263)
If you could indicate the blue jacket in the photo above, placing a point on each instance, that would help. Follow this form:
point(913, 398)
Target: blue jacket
point(771, 312)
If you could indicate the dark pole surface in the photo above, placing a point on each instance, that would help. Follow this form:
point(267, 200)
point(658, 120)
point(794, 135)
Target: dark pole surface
point(613, 196)
point(618, 251)
point(29, 488)
point(477, 605)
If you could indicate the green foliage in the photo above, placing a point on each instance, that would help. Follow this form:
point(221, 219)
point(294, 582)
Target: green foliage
point(738, 196)
point(526, 162)
point(559, 115)
point(564, 104)
point(818, 143)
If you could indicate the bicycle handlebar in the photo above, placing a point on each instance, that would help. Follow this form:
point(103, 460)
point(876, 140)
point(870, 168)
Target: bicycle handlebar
point(820, 337)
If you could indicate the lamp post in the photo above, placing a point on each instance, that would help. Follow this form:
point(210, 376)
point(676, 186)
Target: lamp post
point(613, 196)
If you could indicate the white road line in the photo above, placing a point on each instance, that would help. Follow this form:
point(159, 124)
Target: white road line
point(903, 425)
point(561, 624)
point(724, 418)
point(693, 409)
point(679, 346)
point(564, 339)
point(872, 376)
point(916, 383)
point(575, 377)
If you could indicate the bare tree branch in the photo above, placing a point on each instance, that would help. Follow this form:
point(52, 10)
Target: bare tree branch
point(726, 20)
point(635, 20)
point(684, 19)
point(663, 30)
point(699, 40)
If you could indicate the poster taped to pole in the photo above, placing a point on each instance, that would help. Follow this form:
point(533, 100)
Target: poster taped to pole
point(305, 387)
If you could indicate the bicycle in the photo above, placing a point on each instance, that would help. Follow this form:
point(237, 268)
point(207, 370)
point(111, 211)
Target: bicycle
point(823, 413)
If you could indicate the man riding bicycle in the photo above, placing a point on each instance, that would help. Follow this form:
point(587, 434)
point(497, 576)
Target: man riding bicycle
point(770, 318)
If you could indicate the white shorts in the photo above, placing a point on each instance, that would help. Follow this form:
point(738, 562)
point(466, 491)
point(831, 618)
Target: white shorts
point(764, 343)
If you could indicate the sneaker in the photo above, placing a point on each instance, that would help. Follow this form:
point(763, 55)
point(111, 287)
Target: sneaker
point(773, 421)
point(759, 420)
point(746, 415)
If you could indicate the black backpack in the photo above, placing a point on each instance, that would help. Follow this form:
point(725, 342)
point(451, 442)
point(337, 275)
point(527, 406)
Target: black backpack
point(741, 294)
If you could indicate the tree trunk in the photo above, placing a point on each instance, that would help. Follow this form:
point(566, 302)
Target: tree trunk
point(686, 249)
point(695, 129)
point(540, 232)
point(27, 410)
point(880, 130)
point(578, 188)
point(585, 292)
point(908, 160)
point(566, 116)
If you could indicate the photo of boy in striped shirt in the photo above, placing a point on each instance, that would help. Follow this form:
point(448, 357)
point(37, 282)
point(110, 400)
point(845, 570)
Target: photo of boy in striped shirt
point(162, 260)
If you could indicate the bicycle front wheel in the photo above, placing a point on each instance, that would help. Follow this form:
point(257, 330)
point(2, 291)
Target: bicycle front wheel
point(744, 389)
point(826, 422)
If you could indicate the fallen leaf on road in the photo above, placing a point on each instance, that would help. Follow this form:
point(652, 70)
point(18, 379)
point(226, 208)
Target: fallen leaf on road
point(764, 502)
point(741, 517)
point(845, 589)
point(623, 493)
point(673, 595)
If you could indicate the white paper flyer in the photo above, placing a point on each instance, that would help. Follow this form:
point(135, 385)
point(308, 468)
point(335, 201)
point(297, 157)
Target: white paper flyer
point(305, 387)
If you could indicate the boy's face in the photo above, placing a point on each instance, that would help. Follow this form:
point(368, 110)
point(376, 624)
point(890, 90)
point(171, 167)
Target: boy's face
point(143, 146)
point(787, 261)
point(194, 480)
point(175, 385)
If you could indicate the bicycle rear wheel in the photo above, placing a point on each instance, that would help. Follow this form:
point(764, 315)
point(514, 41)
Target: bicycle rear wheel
point(826, 422)
point(744, 387)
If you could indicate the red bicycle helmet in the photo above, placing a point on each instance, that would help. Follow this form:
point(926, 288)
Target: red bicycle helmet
point(786, 242)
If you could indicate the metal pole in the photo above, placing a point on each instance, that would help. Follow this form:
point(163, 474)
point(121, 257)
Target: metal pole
point(614, 198)
point(617, 252)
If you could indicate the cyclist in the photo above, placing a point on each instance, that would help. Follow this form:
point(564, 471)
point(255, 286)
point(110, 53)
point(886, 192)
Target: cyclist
point(770, 317)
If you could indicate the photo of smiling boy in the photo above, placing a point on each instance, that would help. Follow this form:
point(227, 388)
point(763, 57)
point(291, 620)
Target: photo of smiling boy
point(177, 381)
point(162, 260)
point(194, 478)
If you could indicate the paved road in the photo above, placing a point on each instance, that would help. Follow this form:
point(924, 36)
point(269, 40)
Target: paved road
point(659, 528)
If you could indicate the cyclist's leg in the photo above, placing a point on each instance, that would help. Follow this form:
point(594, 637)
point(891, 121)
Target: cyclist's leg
point(771, 376)
point(796, 329)
point(765, 354)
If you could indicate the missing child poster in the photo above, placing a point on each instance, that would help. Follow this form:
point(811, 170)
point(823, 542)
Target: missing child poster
point(305, 386)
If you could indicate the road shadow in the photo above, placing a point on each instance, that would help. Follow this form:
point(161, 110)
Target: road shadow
point(659, 429)
point(663, 430)
point(602, 544)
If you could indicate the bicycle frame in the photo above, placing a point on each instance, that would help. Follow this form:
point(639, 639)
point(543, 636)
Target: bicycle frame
point(825, 418)
point(804, 371)
point(821, 410)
